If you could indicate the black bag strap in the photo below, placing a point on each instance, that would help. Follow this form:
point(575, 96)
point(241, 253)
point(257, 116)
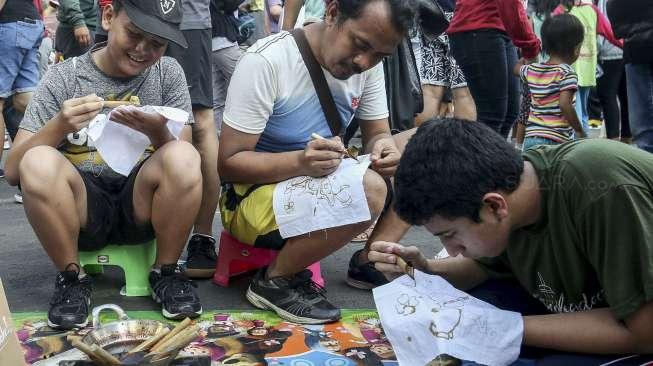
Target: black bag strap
point(233, 199)
point(319, 82)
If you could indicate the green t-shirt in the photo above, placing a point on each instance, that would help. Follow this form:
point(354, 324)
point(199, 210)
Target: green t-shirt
point(593, 246)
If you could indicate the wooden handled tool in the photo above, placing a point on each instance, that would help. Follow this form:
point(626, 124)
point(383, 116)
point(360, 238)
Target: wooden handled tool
point(183, 324)
point(133, 100)
point(176, 339)
point(90, 352)
point(315, 136)
point(96, 353)
point(70, 338)
point(107, 357)
point(136, 355)
point(406, 267)
point(148, 343)
point(180, 341)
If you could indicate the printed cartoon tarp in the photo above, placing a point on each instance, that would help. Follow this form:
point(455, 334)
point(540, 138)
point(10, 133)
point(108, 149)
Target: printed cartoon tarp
point(243, 338)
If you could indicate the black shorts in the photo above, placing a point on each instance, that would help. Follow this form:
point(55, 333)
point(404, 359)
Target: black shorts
point(110, 211)
point(196, 62)
point(66, 43)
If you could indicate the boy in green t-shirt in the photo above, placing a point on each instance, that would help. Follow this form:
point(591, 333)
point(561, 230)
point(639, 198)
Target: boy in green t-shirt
point(572, 224)
point(73, 199)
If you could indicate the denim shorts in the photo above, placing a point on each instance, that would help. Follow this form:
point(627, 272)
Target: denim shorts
point(19, 63)
point(536, 141)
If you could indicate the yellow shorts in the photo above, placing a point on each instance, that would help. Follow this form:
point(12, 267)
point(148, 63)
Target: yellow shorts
point(248, 215)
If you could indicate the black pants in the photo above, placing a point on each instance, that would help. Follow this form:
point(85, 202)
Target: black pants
point(623, 103)
point(487, 58)
point(196, 60)
point(12, 118)
point(607, 88)
point(594, 108)
point(100, 38)
point(66, 43)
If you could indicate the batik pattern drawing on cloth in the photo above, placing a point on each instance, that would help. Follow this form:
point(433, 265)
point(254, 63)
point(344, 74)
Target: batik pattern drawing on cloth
point(305, 204)
point(323, 189)
point(427, 317)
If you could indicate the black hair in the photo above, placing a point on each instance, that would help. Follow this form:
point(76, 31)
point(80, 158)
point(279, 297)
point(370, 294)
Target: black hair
point(568, 4)
point(561, 34)
point(447, 168)
point(117, 6)
point(544, 8)
point(402, 12)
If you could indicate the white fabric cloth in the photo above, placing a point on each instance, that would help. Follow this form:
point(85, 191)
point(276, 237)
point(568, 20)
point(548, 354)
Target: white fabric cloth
point(120, 146)
point(305, 204)
point(427, 317)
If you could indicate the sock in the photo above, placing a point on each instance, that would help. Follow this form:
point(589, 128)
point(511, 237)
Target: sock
point(204, 235)
point(210, 237)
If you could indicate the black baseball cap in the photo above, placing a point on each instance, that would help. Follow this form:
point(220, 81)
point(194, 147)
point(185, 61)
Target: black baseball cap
point(158, 17)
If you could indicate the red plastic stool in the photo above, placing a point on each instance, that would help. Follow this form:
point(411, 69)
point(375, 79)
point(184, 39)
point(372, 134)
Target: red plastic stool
point(235, 258)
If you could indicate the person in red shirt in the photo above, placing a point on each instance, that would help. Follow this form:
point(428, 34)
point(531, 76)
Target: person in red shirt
point(483, 36)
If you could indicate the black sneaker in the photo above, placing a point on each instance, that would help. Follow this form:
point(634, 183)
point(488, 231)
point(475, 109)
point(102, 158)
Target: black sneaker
point(201, 259)
point(297, 299)
point(175, 293)
point(71, 300)
point(364, 276)
point(2, 173)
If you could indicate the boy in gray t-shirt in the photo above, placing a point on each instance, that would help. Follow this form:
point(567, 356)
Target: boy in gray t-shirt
point(73, 199)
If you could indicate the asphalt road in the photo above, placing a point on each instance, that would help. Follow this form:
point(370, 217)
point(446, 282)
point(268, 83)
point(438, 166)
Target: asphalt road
point(28, 275)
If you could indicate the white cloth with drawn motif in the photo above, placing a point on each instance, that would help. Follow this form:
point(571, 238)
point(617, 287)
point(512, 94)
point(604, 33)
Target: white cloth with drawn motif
point(306, 204)
point(427, 317)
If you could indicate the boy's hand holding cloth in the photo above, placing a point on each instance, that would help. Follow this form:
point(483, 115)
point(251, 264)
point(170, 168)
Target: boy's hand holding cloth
point(427, 317)
point(122, 146)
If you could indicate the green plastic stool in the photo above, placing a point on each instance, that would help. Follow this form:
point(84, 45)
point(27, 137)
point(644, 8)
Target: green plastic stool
point(135, 261)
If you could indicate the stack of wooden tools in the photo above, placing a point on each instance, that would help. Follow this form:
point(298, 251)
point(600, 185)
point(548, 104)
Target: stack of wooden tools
point(164, 344)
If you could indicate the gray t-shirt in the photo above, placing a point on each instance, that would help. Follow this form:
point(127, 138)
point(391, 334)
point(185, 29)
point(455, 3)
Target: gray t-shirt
point(196, 15)
point(163, 84)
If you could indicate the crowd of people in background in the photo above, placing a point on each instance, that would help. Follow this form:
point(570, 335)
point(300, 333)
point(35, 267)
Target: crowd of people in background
point(537, 72)
point(453, 68)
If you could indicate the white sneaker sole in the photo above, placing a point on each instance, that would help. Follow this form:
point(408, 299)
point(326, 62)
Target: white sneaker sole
point(264, 304)
point(199, 273)
point(361, 285)
point(56, 326)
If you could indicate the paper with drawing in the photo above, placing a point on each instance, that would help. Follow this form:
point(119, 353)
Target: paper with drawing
point(305, 204)
point(120, 146)
point(426, 317)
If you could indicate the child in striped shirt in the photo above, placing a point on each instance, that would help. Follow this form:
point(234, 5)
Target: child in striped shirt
point(553, 84)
